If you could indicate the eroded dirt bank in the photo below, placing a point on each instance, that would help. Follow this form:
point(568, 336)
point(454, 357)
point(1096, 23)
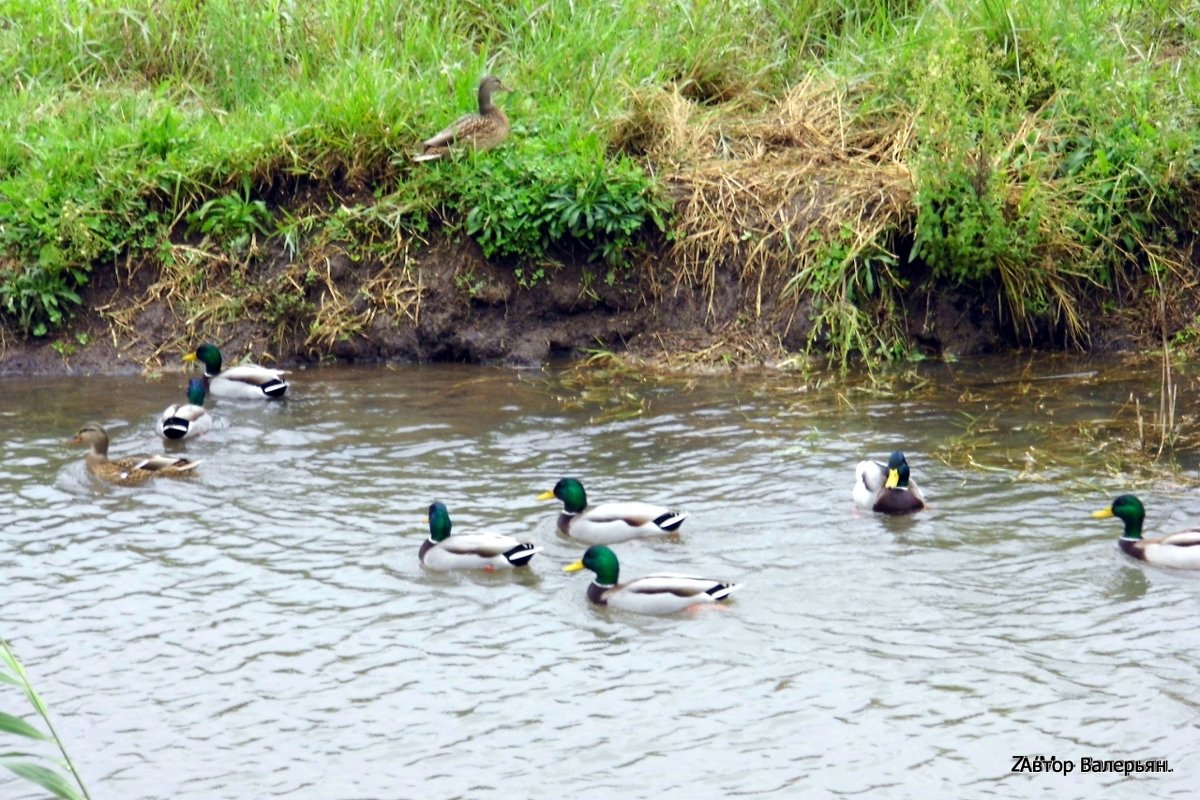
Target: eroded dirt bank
point(445, 302)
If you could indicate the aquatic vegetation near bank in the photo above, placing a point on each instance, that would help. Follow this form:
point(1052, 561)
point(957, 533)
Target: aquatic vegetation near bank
point(27, 765)
point(1122, 431)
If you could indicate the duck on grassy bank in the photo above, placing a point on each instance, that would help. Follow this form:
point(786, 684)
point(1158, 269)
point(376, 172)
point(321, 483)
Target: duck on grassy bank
point(481, 130)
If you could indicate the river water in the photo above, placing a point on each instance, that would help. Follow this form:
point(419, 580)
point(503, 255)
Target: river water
point(265, 629)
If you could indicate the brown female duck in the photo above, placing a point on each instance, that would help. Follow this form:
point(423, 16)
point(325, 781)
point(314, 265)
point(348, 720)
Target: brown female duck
point(128, 470)
point(480, 131)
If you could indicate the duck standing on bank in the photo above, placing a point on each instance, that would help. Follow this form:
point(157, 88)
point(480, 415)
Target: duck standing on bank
point(482, 130)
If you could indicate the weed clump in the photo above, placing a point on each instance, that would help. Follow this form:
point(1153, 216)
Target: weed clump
point(539, 201)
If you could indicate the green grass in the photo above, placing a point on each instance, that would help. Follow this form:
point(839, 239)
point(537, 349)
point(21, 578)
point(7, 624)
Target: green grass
point(1052, 145)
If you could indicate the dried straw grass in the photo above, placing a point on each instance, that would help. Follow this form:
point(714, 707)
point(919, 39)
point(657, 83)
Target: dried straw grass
point(338, 316)
point(763, 196)
point(202, 293)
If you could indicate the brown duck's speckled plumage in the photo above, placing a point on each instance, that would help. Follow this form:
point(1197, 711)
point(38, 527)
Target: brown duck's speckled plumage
point(127, 470)
point(486, 128)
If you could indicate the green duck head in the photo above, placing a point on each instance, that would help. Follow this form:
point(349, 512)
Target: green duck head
point(1129, 510)
point(600, 560)
point(195, 391)
point(208, 355)
point(570, 492)
point(439, 521)
point(897, 471)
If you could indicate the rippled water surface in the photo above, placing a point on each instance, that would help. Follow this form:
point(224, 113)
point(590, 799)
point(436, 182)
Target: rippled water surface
point(265, 629)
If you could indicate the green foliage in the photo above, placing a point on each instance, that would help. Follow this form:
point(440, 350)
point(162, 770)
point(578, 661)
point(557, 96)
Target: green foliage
point(1124, 175)
point(967, 225)
point(56, 241)
point(470, 283)
point(12, 673)
point(527, 204)
point(849, 276)
point(231, 219)
point(965, 228)
point(1048, 160)
point(286, 307)
point(845, 267)
point(38, 297)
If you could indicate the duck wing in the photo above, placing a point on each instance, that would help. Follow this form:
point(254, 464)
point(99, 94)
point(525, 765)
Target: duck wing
point(158, 463)
point(636, 515)
point(461, 127)
point(679, 585)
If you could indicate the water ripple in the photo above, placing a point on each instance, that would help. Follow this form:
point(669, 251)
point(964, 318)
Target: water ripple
point(265, 628)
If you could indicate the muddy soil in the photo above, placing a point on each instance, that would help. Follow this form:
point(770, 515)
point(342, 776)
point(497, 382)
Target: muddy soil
point(472, 310)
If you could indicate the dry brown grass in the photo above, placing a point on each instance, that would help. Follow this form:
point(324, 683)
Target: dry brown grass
point(765, 195)
point(340, 315)
point(194, 290)
point(201, 293)
point(737, 345)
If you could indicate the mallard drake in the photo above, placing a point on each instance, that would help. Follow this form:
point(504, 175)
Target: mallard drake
point(127, 470)
point(609, 523)
point(663, 593)
point(484, 129)
point(248, 381)
point(886, 488)
point(1180, 550)
point(482, 550)
point(182, 420)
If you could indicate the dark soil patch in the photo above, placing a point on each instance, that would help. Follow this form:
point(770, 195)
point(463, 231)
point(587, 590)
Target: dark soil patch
point(472, 310)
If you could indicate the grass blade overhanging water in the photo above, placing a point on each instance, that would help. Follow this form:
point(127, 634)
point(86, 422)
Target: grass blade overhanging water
point(26, 764)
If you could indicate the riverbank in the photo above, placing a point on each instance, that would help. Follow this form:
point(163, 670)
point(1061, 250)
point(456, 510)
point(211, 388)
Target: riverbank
point(900, 182)
point(452, 304)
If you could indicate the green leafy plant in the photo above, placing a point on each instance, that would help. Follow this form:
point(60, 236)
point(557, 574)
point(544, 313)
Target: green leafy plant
point(846, 279)
point(39, 297)
point(529, 206)
point(529, 277)
point(967, 224)
point(470, 283)
point(286, 307)
point(55, 241)
point(26, 764)
point(231, 219)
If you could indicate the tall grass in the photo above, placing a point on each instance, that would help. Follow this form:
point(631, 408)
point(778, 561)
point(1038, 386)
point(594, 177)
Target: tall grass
point(1048, 145)
point(1056, 141)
